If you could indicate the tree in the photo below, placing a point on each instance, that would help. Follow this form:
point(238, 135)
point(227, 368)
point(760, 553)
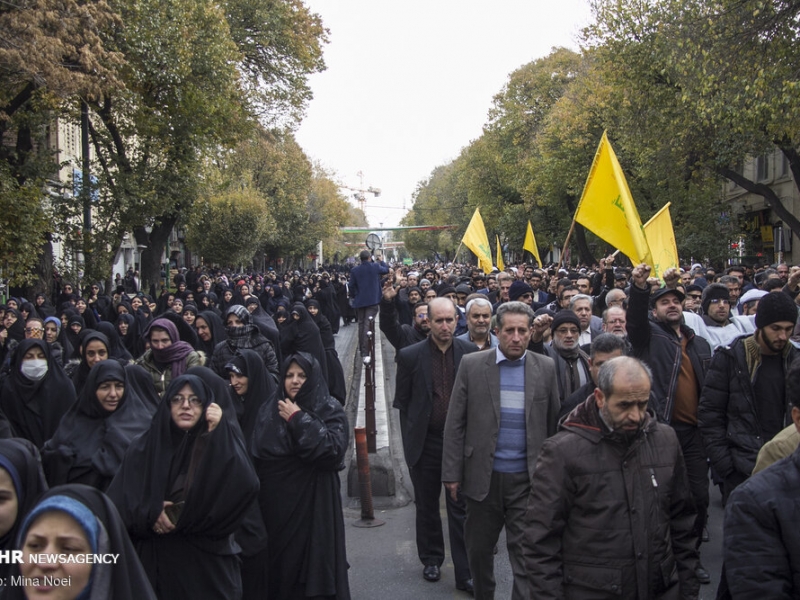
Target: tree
point(197, 76)
point(673, 59)
point(49, 51)
point(228, 227)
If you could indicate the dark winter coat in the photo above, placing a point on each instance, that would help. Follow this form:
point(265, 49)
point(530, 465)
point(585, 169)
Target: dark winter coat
point(728, 413)
point(611, 520)
point(658, 345)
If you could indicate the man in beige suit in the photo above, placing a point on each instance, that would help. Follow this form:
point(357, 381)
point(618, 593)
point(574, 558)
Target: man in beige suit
point(504, 405)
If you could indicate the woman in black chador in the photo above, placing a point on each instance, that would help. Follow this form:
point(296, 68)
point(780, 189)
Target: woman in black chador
point(91, 441)
point(36, 393)
point(182, 491)
point(298, 449)
point(21, 483)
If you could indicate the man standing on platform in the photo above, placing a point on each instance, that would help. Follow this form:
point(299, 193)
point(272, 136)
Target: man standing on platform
point(504, 405)
point(365, 290)
point(425, 375)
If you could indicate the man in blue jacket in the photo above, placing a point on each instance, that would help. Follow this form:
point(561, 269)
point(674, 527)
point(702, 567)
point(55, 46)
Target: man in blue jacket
point(365, 290)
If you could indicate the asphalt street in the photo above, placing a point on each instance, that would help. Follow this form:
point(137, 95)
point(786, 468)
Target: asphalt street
point(383, 560)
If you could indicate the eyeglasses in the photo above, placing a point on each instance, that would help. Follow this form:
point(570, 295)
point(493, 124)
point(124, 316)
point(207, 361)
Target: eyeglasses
point(193, 401)
point(720, 301)
point(33, 330)
point(422, 316)
point(567, 330)
point(695, 296)
point(526, 296)
point(616, 321)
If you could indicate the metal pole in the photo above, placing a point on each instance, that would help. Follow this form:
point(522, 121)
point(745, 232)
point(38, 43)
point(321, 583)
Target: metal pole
point(364, 481)
point(369, 390)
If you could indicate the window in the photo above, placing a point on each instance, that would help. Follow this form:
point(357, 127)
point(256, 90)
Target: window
point(762, 167)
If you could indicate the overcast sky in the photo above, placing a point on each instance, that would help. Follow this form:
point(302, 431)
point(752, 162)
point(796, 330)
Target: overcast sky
point(409, 83)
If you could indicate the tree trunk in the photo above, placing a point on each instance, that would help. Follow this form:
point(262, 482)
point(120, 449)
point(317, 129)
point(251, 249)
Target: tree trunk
point(43, 272)
point(580, 235)
point(766, 192)
point(151, 256)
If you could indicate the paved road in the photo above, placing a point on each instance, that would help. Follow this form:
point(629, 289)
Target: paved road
point(383, 560)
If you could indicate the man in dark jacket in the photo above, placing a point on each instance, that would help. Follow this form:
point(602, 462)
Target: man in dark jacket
point(400, 335)
point(743, 403)
point(426, 372)
point(365, 290)
point(762, 541)
point(611, 510)
point(679, 360)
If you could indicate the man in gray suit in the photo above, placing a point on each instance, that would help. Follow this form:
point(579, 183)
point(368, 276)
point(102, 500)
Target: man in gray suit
point(504, 405)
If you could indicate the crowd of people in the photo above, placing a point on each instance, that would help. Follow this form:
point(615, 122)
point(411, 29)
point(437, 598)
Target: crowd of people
point(200, 434)
point(586, 412)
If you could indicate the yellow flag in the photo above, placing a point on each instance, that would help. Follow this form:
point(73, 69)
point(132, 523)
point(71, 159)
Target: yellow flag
point(530, 244)
point(607, 208)
point(500, 264)
point(475, 239)
point(661, 239)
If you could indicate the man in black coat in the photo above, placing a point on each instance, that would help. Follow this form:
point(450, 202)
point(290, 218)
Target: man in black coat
point(679, 360)
point(762, 541)
point(743, 404)
point(398, 334)
point(426, 372)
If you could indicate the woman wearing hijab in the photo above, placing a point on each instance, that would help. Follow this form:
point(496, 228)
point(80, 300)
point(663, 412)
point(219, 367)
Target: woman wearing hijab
point(13, 330)
point(21, 483)
point(91, 440)
point(242, 333)
point(336, 383)
point(116, 349)
point(129, 335)
point(168, 356)
point(252, 388)
point(78, 519)
point(43, 308)
point(94, 347)
point(89, 317)
point(36, 393)
point(75, 324)
point(298, 448)
point(210, 332)
point(168, 493)
point(326, 296)
point(302, 335)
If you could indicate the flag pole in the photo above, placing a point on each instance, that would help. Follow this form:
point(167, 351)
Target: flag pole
point(566, 242)
point(455, 256)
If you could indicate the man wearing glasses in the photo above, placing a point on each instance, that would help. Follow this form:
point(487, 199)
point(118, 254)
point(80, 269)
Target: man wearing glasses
point(694, 294)
point(34, 328)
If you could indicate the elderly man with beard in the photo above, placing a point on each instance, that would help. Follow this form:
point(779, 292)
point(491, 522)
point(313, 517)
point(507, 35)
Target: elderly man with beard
point(479, 321)
point(611, 510)
point(572, 363)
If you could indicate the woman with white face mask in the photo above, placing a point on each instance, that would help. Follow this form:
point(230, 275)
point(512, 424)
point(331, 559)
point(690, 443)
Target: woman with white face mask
point(37, 392)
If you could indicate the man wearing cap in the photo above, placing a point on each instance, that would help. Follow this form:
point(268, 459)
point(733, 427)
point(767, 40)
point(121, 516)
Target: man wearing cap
point(716, 324)
point(572, 363)
point(748, 303)
point(743, 402)
point(521, 292)
point(679, 359)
